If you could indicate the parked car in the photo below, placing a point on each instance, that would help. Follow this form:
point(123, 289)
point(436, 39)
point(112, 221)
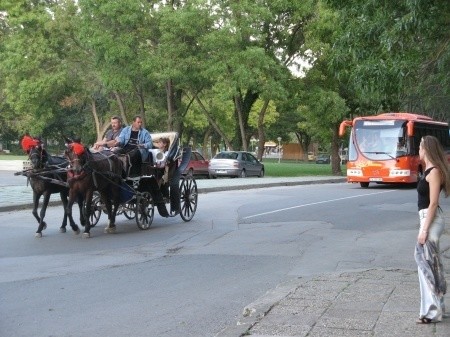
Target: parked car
point(235, 164)
point(198, 165)
point(323, 159)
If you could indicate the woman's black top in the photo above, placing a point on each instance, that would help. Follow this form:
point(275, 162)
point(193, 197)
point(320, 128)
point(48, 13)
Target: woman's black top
point(423, 191)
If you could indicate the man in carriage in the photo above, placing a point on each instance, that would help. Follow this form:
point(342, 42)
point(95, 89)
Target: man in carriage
point(109, 141)
point(135, 141)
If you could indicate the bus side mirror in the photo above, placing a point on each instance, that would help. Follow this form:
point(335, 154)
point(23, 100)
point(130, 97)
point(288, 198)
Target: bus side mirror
point(342, 127)
point(410, 128)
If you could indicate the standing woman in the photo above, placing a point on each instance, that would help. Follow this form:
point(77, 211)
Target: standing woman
point(435, 179)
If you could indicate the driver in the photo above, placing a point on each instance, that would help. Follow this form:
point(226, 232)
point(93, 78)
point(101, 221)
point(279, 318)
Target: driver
point(369, 143)
point(136, 141)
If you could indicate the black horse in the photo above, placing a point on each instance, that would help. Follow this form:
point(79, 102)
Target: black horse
point(91, 172)
point(48, 176)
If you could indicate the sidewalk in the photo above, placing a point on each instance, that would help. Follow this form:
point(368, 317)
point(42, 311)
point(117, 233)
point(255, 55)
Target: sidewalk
point(368, 302)
point(19, 195)
point(362, 303)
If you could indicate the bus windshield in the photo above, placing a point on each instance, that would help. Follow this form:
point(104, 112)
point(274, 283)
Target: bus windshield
point(380, 139)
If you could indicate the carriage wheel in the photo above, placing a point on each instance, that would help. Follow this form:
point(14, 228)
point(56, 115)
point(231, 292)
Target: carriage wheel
point(145, 211)
point(189, 196)
point(128, 210)
point(96, 209)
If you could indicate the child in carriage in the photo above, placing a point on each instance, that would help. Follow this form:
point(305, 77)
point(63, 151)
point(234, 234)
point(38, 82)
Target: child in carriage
point(160, 153)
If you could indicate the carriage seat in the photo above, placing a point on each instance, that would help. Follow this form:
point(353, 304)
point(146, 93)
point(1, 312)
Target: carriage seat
point(155, 154)
point(153, 164)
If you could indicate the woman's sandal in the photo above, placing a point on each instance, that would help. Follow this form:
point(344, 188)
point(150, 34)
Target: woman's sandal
point(424, 320)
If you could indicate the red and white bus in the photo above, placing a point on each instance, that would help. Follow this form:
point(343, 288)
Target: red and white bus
point(385, 148)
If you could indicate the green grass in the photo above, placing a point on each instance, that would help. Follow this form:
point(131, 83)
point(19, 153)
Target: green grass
point(296, 169)
point(12, 157)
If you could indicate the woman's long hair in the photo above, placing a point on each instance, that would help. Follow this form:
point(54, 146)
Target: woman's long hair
point(436, 155)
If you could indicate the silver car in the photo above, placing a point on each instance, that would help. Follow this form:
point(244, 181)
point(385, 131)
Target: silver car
point(235, 164)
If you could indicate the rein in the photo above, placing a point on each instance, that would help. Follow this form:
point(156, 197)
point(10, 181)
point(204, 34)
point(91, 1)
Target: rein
point(87, 168)
point(36, 153)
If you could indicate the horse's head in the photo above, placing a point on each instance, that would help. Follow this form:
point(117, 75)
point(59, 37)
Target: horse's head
point(76, 154)
point(36, 153)
point(37, 156)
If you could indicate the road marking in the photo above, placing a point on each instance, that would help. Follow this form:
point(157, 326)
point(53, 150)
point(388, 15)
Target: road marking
point(313, 203)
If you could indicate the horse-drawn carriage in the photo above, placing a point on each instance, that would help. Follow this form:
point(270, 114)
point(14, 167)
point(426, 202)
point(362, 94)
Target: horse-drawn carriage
point(101, 183)
point(156, 186)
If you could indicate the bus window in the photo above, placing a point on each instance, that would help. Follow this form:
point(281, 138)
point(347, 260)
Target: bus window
point(379, 141)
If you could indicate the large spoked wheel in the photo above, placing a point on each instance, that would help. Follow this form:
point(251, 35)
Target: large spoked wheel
point(96, 209)
point(189, 196)
point(127, 209)
point(145, 210)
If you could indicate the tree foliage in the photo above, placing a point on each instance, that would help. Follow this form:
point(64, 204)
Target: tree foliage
point(396, 53)
point(221, 71)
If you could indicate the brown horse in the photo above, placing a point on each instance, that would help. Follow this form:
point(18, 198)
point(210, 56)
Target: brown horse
point(48, 176)
point(91, 172)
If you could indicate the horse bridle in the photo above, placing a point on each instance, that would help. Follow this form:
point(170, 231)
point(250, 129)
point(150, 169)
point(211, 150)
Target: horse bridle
point(73, 158)
point(39, 154)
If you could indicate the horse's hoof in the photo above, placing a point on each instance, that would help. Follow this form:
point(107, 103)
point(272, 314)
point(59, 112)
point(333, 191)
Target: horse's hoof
point(76, 231)
point(110, 230)
point(62, 229)
point(45, 226)
point(86, 235)
point(38, 235)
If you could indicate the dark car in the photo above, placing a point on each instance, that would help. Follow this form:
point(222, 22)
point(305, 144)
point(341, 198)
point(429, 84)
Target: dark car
point(323, 159)
point(198, 165)
point(235, 164)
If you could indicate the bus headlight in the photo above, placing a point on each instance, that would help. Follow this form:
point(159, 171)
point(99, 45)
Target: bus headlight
point(399, 173)
point(354, 172)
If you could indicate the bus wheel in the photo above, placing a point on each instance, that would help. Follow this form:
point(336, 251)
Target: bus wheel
point(365, 185)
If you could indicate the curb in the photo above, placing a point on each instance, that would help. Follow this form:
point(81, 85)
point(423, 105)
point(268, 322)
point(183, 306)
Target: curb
point(276, 184)
point(18, 207)
point(22, 207)
point(257, 310)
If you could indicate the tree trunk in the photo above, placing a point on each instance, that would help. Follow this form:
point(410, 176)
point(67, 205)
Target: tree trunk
point(119, 100)
point(261, 134)
point(213, 123)
point(335, 159)
point(173, 99)
point(206, 139)
point(239, 113)
point(242, 107)
point(304, 140)
point(170, 104)
point(141, 105)
point(96, 120)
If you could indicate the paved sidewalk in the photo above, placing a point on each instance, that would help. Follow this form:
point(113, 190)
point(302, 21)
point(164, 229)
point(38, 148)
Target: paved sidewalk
point(363, 303)
point(370, 302)
point(19, 196)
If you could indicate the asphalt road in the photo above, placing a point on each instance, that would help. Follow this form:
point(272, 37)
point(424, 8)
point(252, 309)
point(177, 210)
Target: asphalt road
point(194, 279)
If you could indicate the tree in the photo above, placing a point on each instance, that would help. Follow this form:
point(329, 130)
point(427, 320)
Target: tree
point(258, 40)
point(398, 53)
point(36, 71)
point(114, 34)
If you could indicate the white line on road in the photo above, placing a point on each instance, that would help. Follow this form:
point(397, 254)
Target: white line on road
point(313, 203)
